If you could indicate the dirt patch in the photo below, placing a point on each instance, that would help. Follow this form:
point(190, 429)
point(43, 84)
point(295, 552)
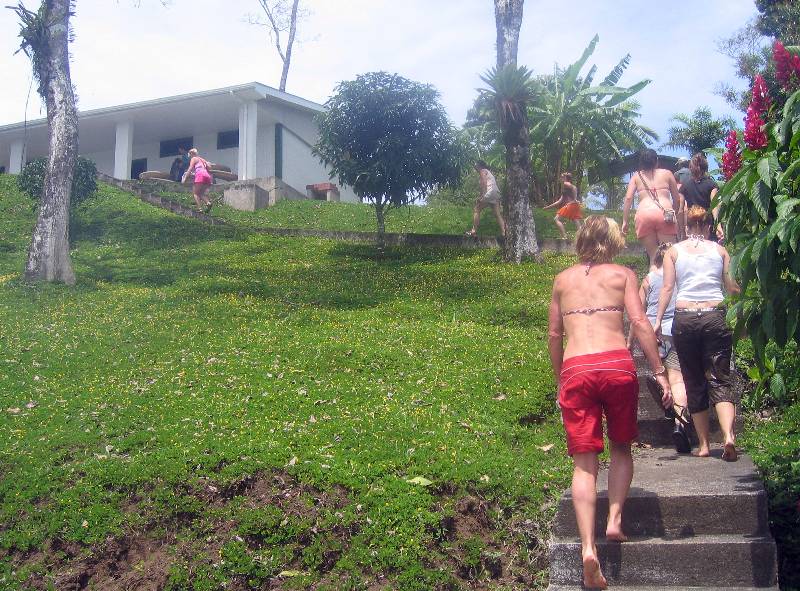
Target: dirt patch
point(475, 542)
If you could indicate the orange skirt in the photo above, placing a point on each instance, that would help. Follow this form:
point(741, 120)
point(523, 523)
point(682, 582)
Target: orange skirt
point(571, 211)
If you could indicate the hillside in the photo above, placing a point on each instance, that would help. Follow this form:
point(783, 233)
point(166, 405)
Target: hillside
point(210, 407)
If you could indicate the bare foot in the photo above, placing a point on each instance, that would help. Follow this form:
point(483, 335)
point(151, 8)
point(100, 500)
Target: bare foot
point(703, 452)
point(615, 534)
point(592, 575)
point(729, 452)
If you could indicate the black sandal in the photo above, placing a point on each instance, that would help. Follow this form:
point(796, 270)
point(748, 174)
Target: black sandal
point(680, 438)
point(680, 435)
point(657, 392)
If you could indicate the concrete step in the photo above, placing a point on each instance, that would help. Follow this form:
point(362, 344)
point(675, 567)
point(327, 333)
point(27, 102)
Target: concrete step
point(711, 560)
point(662, 588)
point(728, 499)
point(658, 431)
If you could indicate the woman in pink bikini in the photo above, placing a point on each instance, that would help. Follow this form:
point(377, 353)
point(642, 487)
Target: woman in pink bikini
point(658, 218)
point(202, 180)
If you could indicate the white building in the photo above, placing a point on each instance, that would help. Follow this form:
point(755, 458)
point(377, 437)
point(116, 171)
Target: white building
point(255, 130)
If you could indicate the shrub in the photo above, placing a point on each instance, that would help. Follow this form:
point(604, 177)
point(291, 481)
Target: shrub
point(84, 179)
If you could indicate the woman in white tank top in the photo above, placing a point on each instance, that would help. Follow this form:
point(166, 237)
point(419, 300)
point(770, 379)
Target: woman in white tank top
point(700, 272)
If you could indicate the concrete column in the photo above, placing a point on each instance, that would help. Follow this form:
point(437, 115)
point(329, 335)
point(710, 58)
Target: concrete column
point(248, 140)
point(123, 150)
point(17, 160)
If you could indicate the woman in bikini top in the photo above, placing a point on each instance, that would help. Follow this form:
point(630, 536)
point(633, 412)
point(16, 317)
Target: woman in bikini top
point(654, 186)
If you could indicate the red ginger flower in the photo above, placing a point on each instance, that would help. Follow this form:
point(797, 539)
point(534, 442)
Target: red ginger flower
point(760, 102)
point(731, 159)
point(754, 135)
point(787, 67)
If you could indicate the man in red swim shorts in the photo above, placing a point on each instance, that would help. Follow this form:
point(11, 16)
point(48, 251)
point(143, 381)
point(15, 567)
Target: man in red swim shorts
point(596, 375)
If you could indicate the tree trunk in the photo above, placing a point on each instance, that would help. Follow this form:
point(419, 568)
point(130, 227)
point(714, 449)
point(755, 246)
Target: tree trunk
point(380, 241)
point(508, 20)
point(520, 241)
point(287, 58)
point(48, 256)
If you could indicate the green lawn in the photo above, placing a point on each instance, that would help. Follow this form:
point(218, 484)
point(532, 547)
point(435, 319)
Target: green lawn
point(434, 219)
point(210, 408)
point(261, 404)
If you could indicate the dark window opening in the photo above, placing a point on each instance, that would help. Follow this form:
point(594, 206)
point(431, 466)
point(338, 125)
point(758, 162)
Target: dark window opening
point(228, 139)
point(138, 166)
point(169, 148)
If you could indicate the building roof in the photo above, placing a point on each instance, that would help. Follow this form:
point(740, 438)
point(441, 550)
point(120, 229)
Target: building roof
point(244, 92)
point(627, 165)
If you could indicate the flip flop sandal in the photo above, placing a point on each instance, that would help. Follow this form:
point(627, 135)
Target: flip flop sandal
point(681, 439)
point(657, 392)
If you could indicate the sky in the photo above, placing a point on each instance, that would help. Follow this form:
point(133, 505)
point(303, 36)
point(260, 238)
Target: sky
point(130, 50)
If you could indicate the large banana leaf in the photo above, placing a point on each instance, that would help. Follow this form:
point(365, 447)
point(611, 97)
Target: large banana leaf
point(571, 73)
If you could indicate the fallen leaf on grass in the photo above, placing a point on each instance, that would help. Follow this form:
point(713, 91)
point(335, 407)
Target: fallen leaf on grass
point(547, 447)
point(421, 481)
point(292, 573)
point(13, 411)
point(293, 461)
point(500, 397)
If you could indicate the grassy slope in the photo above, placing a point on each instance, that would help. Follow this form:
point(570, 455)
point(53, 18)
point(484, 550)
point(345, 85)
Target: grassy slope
point(187, 352)
point(437, 219)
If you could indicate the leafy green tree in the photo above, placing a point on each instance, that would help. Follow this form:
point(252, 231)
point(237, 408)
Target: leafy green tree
point(698, 131)
point(760, 211)
point(577, 126)
point(751, 53)
point(779, 19)
point(510, 91)
point(390, 139)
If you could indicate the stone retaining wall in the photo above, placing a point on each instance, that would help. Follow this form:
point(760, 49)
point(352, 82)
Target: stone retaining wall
point(392, 239)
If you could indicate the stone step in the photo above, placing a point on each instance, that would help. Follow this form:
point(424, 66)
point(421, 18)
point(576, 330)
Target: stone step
point(658, 431)
point(662, 588)
point(728, 499)
point(711, 560)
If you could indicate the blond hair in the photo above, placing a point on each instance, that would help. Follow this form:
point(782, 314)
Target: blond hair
point(697, 217)
point(599, 240)
point(193, 152)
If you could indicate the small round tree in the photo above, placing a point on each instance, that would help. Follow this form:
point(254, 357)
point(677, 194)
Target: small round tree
point(390, 139)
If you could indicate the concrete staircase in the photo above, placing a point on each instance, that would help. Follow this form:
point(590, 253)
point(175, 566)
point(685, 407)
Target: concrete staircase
point(692, 523)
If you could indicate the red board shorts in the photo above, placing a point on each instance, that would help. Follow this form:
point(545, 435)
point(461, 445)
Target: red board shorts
point(596, 384)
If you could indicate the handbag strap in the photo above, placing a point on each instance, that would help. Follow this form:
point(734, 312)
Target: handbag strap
point(653, 194)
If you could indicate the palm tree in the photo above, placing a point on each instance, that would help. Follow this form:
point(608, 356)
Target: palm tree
point(510, 90)
point(576, 126)
point(698, 131)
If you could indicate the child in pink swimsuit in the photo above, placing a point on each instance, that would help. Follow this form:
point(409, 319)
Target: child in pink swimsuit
point(202, 180)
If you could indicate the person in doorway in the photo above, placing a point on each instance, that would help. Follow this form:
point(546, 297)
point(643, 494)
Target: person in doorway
point(202, 180)
point(700, 189)
point(596, 375)
point(568, 204)
point(488, 196)
point(699, 270)
point(658, 218)
point(649, 293)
